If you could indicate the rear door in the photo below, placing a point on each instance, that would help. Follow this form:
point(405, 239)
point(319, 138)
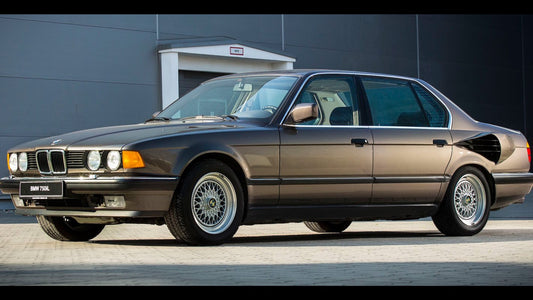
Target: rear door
point(411, 141)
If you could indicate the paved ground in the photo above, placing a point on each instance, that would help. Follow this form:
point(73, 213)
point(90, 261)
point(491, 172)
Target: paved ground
point(381, 253)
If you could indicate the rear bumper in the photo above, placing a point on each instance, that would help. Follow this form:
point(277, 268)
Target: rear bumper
point(85, 196)
point(511, 188)
point(512, 178)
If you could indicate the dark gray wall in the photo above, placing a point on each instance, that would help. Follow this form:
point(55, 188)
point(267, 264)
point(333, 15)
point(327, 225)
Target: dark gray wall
point(376, 43)
point(60, 73)
point(477, 62)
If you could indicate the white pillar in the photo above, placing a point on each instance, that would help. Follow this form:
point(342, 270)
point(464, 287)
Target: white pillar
point(169, 78)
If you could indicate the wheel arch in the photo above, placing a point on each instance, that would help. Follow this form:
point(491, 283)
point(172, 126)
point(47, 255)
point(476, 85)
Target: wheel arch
point(488, 177)
point(230, 162)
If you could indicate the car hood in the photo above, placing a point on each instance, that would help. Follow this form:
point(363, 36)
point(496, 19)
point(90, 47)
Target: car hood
point(118, 136)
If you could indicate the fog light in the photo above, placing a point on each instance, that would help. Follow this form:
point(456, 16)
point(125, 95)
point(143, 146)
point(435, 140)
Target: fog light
point(17, 201)
point(115, 201)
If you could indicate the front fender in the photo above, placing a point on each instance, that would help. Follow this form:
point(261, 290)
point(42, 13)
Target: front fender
point(256, 152)
point(204, 149)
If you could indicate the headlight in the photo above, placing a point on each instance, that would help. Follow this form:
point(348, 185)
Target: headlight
point(113, 160)
point(13, 162)
point(93, 160)
point(23, 162)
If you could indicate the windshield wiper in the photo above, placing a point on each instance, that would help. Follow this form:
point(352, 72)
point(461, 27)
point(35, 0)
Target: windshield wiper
point(199, 117)
point(202, 117)
point(158, 119)
point(233, 117)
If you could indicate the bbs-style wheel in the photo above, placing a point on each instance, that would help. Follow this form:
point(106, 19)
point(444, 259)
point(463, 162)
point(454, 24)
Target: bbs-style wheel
point(208, 207)
point(465, 208)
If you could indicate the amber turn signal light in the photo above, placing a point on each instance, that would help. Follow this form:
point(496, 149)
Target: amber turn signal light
point(132, 160)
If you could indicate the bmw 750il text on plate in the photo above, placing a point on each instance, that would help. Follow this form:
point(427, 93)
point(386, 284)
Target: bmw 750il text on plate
point(321, 147)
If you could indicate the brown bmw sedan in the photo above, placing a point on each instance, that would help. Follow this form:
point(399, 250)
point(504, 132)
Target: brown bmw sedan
point(316, 146)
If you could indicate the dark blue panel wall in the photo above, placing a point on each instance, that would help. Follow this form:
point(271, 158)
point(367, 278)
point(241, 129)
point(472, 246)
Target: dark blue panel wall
point(63, 73)
point(375, 43)
point(477, 62)
point(527, 42)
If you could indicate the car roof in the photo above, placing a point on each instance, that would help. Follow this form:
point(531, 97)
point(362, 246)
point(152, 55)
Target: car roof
point(309, 72)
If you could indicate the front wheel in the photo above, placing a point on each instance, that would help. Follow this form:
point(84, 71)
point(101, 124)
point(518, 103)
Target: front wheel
point(208, 206)
point(68, 229)
point(466, 205)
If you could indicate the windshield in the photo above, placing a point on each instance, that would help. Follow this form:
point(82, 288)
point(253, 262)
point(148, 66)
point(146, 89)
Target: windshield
point(254, 97)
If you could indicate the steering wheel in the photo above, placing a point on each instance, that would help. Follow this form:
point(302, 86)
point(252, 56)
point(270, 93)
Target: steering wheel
point(270, 108)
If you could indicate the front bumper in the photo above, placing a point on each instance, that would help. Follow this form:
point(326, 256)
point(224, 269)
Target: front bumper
point(87, 196)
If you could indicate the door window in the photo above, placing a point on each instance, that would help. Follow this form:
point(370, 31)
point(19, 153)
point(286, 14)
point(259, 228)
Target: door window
point(396, 102)
point(336, 100)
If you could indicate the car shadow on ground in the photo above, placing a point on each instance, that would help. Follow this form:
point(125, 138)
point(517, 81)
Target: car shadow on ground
point(318, 239)
point(347, 238)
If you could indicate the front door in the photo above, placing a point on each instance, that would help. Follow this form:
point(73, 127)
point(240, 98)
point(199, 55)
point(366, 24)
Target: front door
point(327, 160)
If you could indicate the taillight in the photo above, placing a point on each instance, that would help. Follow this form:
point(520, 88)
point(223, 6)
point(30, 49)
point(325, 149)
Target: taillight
point(528, 153)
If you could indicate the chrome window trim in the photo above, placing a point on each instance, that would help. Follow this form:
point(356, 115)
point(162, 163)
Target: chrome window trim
point(359, 74)
point(366, 127)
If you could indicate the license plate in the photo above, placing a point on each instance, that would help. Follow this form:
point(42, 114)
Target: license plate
point(41, 190)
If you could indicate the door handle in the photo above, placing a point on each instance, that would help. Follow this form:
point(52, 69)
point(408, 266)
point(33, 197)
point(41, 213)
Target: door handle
point(359, 142)
point(440, 143)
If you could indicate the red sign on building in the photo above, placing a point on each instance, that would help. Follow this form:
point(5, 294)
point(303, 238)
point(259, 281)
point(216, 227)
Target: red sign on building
point(236, 51)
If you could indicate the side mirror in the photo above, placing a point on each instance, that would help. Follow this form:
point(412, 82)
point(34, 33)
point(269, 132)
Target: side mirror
point(303, 112)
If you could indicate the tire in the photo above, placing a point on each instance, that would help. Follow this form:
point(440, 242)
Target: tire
point(328, 226)
point(466, 205)
point(208, 207)
point(68, 229)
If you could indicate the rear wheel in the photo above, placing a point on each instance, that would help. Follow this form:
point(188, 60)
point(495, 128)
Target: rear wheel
point(328, 226)
point(68, 229)
point(465, 208)
point(209, 205)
